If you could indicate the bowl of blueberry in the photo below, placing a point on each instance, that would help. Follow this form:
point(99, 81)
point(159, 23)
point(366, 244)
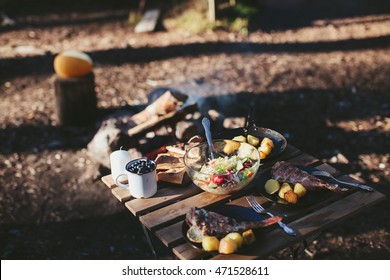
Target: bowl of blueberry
point(141, 166)
point(141, 175)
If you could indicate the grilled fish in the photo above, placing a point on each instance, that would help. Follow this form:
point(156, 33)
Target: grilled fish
point(285, 172)
point(214, 224)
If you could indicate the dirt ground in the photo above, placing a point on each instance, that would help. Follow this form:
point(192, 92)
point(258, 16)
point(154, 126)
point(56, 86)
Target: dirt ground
point(318, 72)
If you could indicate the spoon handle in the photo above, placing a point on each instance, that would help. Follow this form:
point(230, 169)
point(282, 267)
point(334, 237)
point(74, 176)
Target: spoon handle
point(206, 126)
point(250, 120)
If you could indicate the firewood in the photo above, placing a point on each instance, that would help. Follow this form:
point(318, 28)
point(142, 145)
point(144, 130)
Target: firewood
point(128, 130)
point(186, 129)
point(163, 105)
point(155, 122)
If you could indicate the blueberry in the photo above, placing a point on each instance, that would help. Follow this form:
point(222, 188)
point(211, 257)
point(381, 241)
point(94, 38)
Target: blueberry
point(141, 166)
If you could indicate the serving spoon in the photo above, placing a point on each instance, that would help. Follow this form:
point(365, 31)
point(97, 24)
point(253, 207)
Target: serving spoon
point(206, 126)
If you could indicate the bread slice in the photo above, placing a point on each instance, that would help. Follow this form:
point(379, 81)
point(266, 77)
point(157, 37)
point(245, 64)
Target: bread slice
point(177, 176)
point(166, 161)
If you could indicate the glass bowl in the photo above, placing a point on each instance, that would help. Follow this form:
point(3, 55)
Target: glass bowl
point(234, 167)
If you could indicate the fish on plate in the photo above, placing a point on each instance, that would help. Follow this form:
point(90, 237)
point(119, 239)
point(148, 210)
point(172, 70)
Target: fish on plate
point(208, 223)
point(285, 172)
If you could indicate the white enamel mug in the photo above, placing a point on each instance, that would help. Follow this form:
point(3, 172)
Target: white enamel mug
point(141, 184)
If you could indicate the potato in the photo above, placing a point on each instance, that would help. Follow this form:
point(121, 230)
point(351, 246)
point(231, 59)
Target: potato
point(262, 155)
point(272, 186)
point(240, 138)
point(267, 142)
point(227, 246)
point(291, 197)
point(248, 237)
point(236, 237)
point(247, 150)
point(299, 189)
point(283, 189)
point(230, 146)
point(265, 149)
point(254, 141)
point(210, 243)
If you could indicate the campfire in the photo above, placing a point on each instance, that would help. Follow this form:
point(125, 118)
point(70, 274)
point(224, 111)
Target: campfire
point(164, 122)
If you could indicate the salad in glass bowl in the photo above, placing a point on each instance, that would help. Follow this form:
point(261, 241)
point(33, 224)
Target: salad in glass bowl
point(234, 166)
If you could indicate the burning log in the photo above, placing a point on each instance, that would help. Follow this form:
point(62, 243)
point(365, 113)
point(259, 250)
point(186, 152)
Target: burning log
point(186, 129)
point(127, 129)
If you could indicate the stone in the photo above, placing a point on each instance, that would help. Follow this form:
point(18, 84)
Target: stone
point(110, 137)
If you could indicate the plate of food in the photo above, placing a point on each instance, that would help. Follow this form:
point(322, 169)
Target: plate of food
point(292, 185)
point(225, 229)
point(269, 143)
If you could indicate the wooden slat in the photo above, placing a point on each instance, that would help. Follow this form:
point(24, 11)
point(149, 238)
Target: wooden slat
point(328, 168)
point(244, 203)
point(288, 153)
point(176, 211)
point(122, 194)
point(163, 197)
point(142, 204)
point(337, 212)
point(234, 257)
point(108, 181)
point(187, 252)
point(303, 159)
point(171, 235)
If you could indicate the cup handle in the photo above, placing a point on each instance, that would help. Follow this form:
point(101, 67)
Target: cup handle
point(119, 183)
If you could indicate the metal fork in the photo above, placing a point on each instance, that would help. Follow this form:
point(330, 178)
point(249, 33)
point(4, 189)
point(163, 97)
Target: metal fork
point(356, 185)
point(260, 209)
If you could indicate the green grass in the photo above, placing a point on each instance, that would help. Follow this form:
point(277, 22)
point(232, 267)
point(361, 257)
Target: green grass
point(193, 18)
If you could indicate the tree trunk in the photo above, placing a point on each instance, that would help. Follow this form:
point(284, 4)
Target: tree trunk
point(212, 11)
point(75, 100)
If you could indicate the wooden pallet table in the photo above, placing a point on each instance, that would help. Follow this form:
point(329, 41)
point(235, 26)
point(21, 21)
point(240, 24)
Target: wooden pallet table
point(163, 214)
